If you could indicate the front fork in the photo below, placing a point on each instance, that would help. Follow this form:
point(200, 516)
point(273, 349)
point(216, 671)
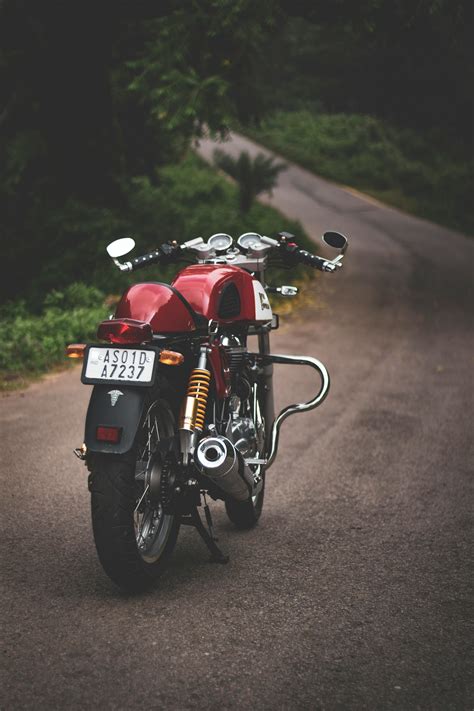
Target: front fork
point(266, 398)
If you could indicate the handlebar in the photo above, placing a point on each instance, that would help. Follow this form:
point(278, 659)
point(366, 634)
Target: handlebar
point(294, 255)
point(289, 250)
point(165, 254)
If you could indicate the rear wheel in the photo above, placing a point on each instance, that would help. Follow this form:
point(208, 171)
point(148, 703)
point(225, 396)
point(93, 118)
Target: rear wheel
point(133, 535)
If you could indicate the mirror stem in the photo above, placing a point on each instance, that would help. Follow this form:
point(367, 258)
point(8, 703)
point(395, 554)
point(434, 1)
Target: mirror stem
point(127, 267)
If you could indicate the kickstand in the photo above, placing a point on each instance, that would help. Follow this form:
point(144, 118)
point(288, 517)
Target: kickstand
point(217, 556)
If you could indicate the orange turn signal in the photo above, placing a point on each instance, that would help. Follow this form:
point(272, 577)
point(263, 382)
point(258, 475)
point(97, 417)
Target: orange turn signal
point(171, 358)
point(76, 350)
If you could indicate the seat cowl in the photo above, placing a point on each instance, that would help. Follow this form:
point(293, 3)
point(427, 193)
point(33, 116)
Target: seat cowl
point(159, 305)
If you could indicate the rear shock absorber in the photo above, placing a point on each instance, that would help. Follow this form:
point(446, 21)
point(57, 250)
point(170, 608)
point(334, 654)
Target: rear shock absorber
point(193, 411)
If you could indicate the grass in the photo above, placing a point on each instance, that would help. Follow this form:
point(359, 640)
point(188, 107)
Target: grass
point(190, 200)
point(414, 172)
point(34, 343)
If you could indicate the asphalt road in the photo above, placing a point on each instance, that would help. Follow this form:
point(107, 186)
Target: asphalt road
point(354, 590)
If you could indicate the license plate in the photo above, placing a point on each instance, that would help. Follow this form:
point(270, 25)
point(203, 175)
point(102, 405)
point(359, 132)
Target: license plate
point(119, 365)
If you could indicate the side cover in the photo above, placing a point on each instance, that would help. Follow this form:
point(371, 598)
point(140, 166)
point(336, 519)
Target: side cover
point(126, 413)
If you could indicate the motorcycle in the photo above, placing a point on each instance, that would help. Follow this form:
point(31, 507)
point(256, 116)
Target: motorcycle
point(180, 408)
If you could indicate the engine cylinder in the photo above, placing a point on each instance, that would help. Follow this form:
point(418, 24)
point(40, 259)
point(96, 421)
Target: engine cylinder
point(219, 460)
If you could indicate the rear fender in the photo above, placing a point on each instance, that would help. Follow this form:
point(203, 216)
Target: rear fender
point(114, 406)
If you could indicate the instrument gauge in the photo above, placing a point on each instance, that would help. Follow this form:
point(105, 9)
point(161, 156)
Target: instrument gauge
point(249, 240)
point(220, 241)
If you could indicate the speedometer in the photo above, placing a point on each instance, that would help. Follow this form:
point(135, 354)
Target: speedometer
point(249, 240)
point(220, 241)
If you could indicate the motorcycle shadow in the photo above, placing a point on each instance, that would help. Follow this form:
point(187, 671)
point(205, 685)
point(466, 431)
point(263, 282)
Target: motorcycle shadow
point(71, 573)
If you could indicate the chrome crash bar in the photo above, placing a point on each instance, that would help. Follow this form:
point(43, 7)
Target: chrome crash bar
point(291, 409)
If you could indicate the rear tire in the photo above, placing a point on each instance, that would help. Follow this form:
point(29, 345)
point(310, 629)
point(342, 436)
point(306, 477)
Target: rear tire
point(134, 540)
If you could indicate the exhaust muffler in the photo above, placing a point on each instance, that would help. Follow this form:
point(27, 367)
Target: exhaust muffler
point(219, 460)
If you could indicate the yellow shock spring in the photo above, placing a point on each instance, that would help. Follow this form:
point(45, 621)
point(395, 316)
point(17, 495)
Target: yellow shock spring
point(198, 388)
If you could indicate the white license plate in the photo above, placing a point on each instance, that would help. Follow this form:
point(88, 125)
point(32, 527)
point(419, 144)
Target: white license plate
point(127, 365)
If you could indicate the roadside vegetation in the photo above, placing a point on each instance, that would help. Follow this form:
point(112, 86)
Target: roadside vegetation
point(191, 201)
point(401, 167)
point(35, 343)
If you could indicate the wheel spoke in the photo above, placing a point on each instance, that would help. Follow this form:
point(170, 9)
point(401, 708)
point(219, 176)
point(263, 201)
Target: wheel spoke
point(141, 499)
point(152, 525)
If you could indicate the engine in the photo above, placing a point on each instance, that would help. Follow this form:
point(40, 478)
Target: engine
point(221, 456)
point(235, 353)
point(241, 430)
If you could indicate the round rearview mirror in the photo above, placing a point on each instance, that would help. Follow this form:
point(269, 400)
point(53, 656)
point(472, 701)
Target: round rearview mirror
point(335, 240)
point(120, 247)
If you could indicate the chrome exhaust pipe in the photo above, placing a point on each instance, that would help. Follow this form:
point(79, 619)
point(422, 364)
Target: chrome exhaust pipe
point(219, 460)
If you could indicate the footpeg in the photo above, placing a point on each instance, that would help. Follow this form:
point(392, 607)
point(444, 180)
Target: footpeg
point(80, 452)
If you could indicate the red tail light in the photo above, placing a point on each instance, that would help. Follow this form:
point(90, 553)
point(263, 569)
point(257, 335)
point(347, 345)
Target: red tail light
point(108, 434)
point(125, 330)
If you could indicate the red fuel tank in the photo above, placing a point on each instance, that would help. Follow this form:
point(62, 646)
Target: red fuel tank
point(198, 294)
point(223, 293)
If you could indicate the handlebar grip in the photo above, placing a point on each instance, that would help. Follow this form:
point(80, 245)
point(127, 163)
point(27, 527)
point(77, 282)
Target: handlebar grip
point(145, 260)
point(311, 259)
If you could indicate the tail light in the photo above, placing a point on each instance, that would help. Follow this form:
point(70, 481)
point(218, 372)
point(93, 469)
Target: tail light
point(125, 330)
point(108, 434)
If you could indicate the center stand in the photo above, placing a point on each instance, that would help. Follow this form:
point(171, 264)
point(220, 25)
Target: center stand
point(193, 519)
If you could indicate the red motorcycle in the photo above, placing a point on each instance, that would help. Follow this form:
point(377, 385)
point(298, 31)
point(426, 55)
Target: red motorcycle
point(180, 408)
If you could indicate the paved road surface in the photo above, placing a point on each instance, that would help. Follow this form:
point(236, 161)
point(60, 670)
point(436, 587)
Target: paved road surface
point(354, 590)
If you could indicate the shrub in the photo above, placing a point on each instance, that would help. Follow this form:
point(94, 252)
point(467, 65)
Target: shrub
point(35, 342)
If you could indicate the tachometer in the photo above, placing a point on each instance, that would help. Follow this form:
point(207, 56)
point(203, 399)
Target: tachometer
point(220, 241)
point(249, 240)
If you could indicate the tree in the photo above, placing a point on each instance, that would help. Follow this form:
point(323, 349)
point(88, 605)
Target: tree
point(94, 94)
point(252, 176)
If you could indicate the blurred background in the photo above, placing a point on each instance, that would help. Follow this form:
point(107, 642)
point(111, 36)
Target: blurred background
point(102, 102)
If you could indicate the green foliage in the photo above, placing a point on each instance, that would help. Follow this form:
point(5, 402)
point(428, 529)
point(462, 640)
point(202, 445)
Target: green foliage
point(400, 166)
point(184, 200)
point(35, 343)
point(75, 296)
point(253, 176)
point(87, 107)
point(407, 62)
point(92, 113)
